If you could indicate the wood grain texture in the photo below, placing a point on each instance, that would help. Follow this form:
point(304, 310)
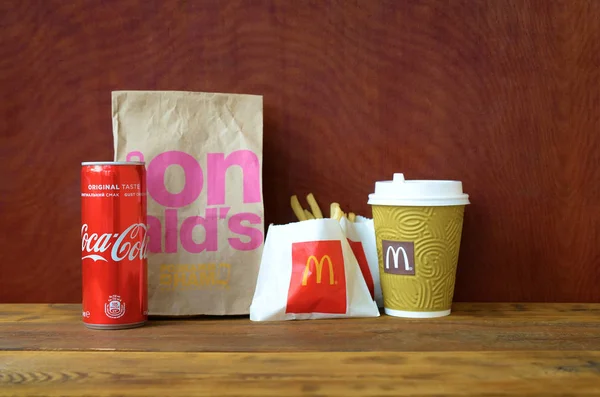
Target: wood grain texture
point(471, 327)
point(291, 374)
point(496, 349)
point(503, 95)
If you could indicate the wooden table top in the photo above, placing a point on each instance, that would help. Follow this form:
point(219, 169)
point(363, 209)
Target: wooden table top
point(484, 348)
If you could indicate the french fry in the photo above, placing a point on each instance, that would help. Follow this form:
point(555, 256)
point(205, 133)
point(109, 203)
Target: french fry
point(308, 214)
point(335, 210)
point(332, 209)
point(297, 208)
point(314, 207)
point(338, 214)
point(334, 213)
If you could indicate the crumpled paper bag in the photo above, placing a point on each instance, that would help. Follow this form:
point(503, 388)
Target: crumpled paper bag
point(203, 154)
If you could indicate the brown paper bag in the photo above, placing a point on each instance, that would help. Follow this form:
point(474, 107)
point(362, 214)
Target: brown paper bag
point(203, 154)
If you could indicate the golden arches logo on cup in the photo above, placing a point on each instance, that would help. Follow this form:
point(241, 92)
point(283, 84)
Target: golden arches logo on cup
point(318, 264)
point(399, 257)
point(318, 282)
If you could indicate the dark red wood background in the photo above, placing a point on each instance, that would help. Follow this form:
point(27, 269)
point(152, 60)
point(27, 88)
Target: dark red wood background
point(503, 95)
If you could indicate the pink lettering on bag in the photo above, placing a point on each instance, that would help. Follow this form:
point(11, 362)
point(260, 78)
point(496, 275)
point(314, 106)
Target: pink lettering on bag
point(218, 165)
point(171, 228)
point(155, 234)
point(192, 187)
point(255, 235)
point(209, 223)
point(137, 154)
point(175, 230)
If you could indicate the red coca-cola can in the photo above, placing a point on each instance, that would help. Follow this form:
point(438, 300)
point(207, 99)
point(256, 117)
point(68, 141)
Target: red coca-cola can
point(114, 244)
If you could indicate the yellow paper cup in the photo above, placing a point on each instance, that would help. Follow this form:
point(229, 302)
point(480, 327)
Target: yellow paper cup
point(418, 228)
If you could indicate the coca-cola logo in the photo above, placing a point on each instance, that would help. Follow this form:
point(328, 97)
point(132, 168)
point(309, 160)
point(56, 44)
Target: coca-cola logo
point(131, 244)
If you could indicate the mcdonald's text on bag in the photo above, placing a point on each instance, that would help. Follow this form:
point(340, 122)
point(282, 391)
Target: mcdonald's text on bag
point(217, 166)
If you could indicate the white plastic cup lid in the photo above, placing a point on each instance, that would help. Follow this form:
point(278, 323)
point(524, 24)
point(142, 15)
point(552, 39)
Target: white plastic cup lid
point(402, 192)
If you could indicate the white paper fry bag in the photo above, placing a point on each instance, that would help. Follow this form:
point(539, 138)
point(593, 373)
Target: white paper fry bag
point(308, 271)
point(361, 236)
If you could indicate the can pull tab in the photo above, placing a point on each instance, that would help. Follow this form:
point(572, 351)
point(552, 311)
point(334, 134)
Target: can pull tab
point(399, 178)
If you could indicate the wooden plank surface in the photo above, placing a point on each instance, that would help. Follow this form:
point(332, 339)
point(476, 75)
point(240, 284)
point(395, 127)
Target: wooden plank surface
point(543, 373)
point(471, 326)
point(498, 349)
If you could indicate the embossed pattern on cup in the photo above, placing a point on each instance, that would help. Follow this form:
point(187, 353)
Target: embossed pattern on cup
point(421, 279)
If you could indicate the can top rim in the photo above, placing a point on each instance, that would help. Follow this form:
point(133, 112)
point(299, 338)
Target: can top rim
point(113, 163)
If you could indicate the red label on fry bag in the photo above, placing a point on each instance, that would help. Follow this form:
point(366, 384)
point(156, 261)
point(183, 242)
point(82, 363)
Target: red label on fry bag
point(361, 258)
point(318, 283)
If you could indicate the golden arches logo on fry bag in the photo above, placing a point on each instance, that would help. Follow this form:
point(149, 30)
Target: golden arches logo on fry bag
point(319, 266)
point(318, 282)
